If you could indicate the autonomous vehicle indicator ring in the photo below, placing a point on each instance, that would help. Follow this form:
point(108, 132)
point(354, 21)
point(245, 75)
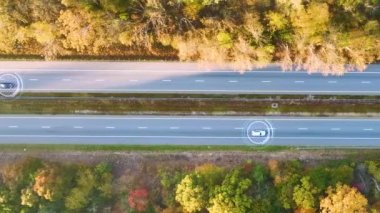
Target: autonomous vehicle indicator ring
point(259, 132)
point(10, 85)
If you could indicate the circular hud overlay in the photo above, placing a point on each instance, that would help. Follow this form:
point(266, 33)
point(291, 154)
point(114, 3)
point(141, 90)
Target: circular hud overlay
point(259, 132)
point(10, 85)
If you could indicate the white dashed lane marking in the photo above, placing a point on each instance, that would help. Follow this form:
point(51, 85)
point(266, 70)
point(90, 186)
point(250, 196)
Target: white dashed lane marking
point(266, 81)
point(33, 79)
point(299, 82)
point(332, 82)
point(302, 128)
point(335, 129)
point(78, 127)
point(12, 126)
point(166, 80)
point(143, 127)
point(366, 82)
point(206, 128)
point(174, 127)
point(66, 79)
point(110, 127)
point(199, 81)
point(233, 81)
point(368, 129)
point(45, 127)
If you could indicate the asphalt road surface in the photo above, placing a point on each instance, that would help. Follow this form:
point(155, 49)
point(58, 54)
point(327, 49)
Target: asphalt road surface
point(360, 132)
point(159, 77)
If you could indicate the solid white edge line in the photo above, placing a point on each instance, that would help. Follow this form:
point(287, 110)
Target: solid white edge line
point(190, 118)
point(185, 137)
point(167, 70)
point(210, 90)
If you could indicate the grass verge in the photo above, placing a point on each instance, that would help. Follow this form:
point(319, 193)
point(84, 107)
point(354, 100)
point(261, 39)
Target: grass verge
point(199, 96)
point(154, 148)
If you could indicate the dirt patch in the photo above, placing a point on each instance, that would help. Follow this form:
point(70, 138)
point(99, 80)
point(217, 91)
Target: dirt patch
point(126, 162)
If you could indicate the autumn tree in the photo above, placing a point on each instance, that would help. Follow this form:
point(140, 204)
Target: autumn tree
point(28, 197)
point(138, 199)
point(88, 31)
point(8, 38)
point(343, 198)
point(51, 182)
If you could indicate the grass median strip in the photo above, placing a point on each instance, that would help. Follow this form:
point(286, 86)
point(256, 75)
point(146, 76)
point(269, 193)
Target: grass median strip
point(185, 106)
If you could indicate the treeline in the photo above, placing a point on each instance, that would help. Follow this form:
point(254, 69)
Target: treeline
point(276, 187)
point(33, 185)
point(317, 35)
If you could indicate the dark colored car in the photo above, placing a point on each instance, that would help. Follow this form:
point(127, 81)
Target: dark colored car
point(7, 85)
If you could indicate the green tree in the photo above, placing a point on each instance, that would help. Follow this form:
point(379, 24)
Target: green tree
point(232, 195)
point(193, 192)
point(169, 180)
point(373, 169)
point(92, 188)
point(304, 194)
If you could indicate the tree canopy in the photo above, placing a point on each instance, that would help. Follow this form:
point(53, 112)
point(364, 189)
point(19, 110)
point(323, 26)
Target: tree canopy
point(324, 36)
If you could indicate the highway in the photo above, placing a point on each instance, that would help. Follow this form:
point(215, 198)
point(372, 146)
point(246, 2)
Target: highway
point(171, 77)
point(32, 129)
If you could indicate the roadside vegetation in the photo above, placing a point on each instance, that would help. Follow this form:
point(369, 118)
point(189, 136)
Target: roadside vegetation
point(182, 104)
point(215, 182)
point(317, 35)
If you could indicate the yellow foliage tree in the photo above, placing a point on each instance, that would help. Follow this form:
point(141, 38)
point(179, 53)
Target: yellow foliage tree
point(343, 199)
point(190, 194)
point(28, 198)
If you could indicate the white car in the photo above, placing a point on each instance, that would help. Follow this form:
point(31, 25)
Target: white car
point(6, 85)
point(259, 133)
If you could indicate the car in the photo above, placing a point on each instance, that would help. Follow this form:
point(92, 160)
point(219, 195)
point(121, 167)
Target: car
point(258, 133)
point(7, 85)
